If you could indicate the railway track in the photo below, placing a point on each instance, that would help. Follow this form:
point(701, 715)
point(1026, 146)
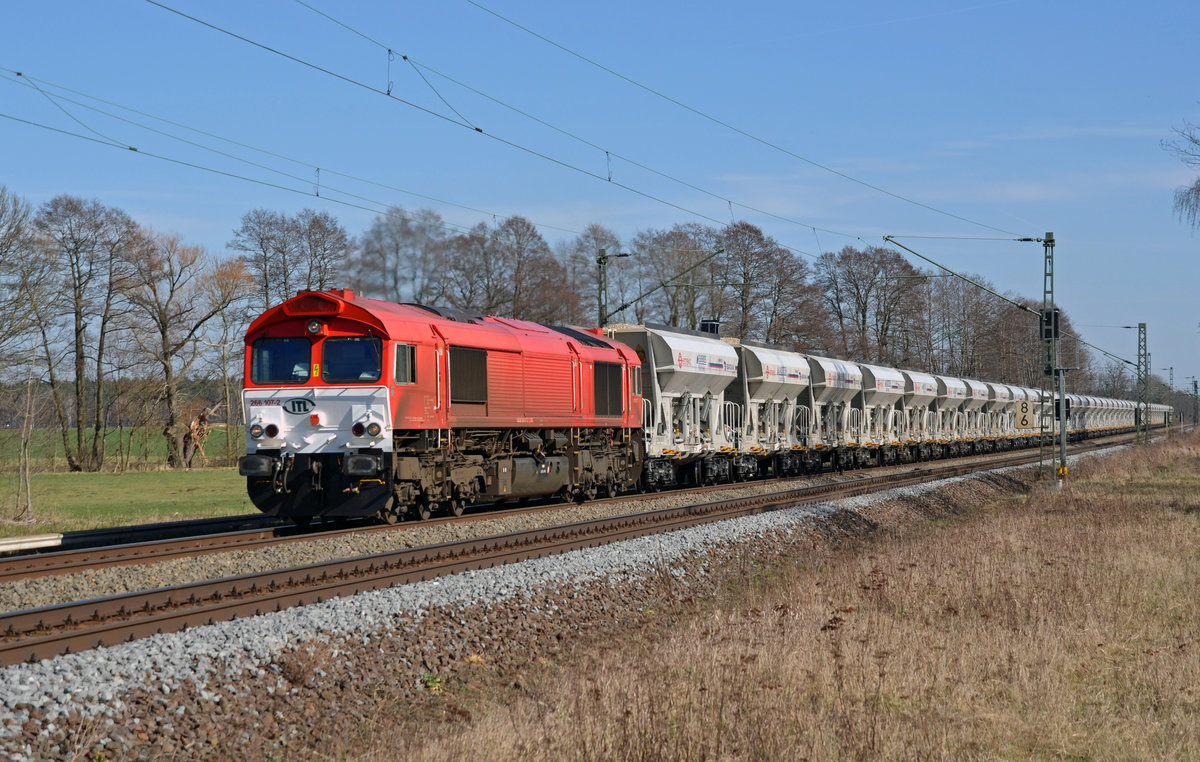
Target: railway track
point(151, 543)
point(39, 633)
point(28, 546)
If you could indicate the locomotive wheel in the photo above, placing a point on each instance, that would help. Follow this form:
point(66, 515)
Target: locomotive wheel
point(586, 492)
point(424, 510)
point(456, 506)
point(392, 512)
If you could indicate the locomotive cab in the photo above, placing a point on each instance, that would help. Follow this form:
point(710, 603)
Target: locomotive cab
point(318, 407)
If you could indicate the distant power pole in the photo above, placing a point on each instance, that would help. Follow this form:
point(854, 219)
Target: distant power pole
point(1170, 393)
point(602, 258)
point(1195, 402)
point(1053, 375)
point(1143, 391)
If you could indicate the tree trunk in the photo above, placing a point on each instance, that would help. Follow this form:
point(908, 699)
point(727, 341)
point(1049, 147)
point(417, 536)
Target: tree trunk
point(172, 430)
point(24, 507)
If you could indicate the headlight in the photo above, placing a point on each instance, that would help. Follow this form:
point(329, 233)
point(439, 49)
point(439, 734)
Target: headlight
point(373, 429)
point(256, 431)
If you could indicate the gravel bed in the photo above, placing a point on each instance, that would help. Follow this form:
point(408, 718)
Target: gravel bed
point(95, 583)
point(262, 686)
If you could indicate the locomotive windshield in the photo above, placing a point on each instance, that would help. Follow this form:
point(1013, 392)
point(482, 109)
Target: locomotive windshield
point(352, 359)
point(280, 361)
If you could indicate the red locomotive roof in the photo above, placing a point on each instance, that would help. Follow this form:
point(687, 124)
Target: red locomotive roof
point(399, 321)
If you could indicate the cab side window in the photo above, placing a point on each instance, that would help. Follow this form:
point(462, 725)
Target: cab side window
point(406, 364)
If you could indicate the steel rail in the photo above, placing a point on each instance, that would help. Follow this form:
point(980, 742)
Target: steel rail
point(35, 565)
point(34, 634)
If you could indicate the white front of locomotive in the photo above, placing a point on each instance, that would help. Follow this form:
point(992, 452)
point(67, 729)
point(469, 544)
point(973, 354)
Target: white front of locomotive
point(318, 420)
point(319, 436)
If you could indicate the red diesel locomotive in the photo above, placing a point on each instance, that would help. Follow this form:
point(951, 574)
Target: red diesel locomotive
point(358, 407)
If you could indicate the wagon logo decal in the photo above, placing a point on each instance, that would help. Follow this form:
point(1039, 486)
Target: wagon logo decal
point(299, 405)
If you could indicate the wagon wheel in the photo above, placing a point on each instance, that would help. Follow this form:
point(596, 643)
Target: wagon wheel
point(424, 509)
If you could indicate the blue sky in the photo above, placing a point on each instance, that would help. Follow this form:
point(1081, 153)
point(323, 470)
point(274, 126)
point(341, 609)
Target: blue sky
point(998, 119)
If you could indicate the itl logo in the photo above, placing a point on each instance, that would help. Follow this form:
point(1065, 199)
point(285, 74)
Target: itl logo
point(299, 406)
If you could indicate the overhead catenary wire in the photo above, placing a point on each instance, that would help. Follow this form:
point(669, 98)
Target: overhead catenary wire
point(294, 177)
point(288, 175)
point(732, 127)
point(993, 292)
point(451, 120)
point(181, 162)
point(609, 155)
point(105, 140)
point(24, 76)
point(382, 207)
point(258, 149)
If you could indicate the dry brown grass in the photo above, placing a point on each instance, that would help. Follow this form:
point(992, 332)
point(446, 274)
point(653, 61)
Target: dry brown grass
point(1064, 626)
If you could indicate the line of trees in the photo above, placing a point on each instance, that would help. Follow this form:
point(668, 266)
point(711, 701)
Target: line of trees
point(106, 324)
point(107, 320)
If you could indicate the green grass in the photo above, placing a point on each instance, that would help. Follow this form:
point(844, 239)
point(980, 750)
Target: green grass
point(68, 502)
point(145, 447)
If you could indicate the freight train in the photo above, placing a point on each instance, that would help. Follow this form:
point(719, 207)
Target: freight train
point(357, 407)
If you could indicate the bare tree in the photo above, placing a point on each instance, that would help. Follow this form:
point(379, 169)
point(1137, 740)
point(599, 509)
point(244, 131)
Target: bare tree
point(269, 242)
point(175, 291)
point(21, 276)
point(87, 246)
point(681, 264)
point(867, 292)
point(537, 279)
point(579, 256)
point(793, 314)
point(1186, 146)
point(400, 257)
point(477, 280)
point(323, 247)
point(224, 350)
point(747, 264)
point(24, 497)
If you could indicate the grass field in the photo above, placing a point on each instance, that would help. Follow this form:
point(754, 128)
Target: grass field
point(1062, 626)
point(65, 502)
point(132, 449)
